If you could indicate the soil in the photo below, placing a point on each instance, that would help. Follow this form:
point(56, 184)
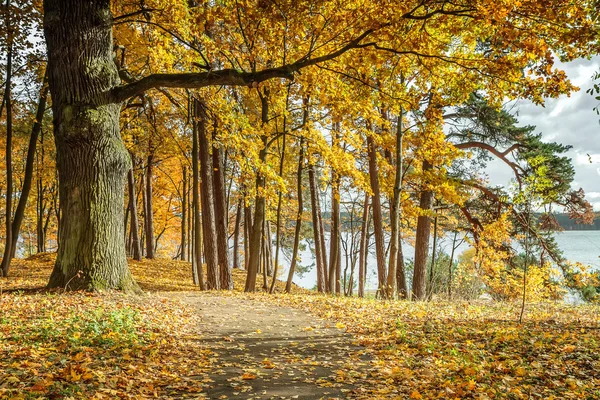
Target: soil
point(265, 351)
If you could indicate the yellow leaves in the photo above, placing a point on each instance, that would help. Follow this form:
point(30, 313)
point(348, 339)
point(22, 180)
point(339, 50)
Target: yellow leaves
point(268, 364)
point(416, 395)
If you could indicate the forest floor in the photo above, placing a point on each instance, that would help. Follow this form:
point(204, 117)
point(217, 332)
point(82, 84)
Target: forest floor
point(176, 342)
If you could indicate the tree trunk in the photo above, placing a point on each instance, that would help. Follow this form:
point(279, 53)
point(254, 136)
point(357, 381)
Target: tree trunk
point(35, 131)
point(197, 224)
point(149, 214)
point(135, 235)
point(236, 234)
point(377, 216)
point(209, 229)
point(183, 215)
point(288, 285)
point(92, 161)
point(278, 222)
point(422, 243)
point(363, 248)
point(400, 270)
point(222, 218)
point(321, 283)
point(395, 218)
point(433, 255)
point(334, 237)
point(8, 101)
point(259, 207)
point(247, 234)
point(450, 265)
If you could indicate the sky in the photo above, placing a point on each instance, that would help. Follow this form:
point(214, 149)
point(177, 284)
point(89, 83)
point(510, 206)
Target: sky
point(569, 120)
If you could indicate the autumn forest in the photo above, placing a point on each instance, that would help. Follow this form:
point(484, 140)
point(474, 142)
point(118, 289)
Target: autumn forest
point(170, 168)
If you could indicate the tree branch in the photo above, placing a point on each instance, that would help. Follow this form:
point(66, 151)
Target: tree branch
point(229, 77)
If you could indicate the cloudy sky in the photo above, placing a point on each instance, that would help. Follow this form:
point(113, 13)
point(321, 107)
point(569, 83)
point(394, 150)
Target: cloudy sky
point(567, 120)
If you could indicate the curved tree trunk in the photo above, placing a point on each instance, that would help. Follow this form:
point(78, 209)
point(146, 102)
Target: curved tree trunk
point(92, 161)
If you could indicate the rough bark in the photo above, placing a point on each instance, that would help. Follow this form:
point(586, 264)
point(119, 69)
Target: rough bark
point(377, 216)
point(221, 217)
point(92, 161)
point(288, 285)
point(91, 158)
point(422, 243)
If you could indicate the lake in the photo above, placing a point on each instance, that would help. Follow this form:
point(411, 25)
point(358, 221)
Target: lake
point(581, 246)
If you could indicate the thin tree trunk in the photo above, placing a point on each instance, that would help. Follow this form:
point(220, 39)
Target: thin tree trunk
point(149, 208)
point(220, 204)
point(288, 285)
point(29, 163)
point(183, 215)
point(334, 238)
point(392, 281)
point(433, 255)
point(450, 265)
point(135, 235)
point(209, 229)
point(196, 223)
point(422, 243)
point(400, 270)
point(278, 221)
point(247, 234)
point(364, 246)
point(321, 283)
point(190, 218)
point(236, 234)
point(259, 208)
point(8, 101)
point(377, 216)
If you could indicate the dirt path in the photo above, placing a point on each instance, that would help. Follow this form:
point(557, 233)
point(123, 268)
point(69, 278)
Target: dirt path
point(269, 352)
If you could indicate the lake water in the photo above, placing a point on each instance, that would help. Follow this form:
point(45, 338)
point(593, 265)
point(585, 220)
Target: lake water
point(581, 246)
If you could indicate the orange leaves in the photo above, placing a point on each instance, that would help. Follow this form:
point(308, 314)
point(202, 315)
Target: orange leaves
point(248, 376)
